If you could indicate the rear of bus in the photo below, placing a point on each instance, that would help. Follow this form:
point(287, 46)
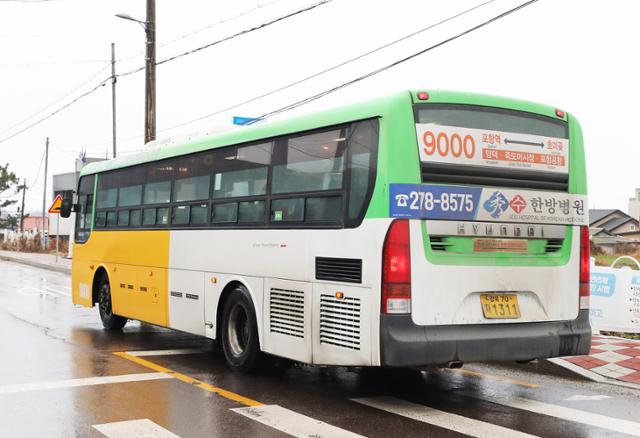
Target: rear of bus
point(487, 257)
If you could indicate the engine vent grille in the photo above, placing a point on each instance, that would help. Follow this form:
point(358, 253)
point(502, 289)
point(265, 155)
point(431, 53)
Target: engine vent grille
point(438, 243)
point(553, 245)
point(340, 322)
point(440, 173)
point(286, 312)
point(336, 269)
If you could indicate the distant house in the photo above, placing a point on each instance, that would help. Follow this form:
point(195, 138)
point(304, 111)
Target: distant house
point(33, 223)
point(609, 228)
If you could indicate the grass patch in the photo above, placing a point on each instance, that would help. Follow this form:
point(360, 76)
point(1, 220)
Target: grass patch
point(607, 259)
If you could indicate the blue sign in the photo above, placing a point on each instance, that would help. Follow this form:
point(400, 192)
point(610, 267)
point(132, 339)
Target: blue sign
point(602, 285)
point(596, 313)
point(245, 120)
point(635, 281)
point(424, 201)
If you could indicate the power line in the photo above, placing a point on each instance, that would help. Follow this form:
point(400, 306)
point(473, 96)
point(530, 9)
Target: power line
point(327, 70)
point(56, 111)
point(197, 49)
point(37, 177)
point(393, 64)
point(202, 29)
point(50, 104)
point(230, 37)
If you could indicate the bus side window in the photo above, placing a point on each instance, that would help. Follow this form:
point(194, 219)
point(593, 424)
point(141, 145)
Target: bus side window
point(192, 178)
point(157, 193)
point(241, 171)
point(157, 188)
point(310, 163)
point(363, 145)
point(84, 214)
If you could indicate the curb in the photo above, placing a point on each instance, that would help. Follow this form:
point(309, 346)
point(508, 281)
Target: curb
point(559, 362)
point(35, 264)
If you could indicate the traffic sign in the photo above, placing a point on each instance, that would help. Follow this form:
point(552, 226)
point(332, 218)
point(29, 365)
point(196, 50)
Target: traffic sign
point(245, 120)
point(57, 204)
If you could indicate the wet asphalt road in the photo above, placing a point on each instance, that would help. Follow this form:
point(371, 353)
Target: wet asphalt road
point(59, 377)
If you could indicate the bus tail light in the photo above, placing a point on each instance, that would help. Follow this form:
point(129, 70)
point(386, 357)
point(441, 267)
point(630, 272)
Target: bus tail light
point(585, 261)
point(396, 269)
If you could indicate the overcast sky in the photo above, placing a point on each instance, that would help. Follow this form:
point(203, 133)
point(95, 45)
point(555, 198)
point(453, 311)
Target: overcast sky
point(578, 55)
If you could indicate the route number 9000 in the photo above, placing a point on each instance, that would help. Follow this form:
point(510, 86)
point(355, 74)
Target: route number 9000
point(444, 144)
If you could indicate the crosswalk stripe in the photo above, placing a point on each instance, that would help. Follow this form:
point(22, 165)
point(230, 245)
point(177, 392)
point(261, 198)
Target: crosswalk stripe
point(293, 423)
point(143, 428)
point(445, 420)
point(564, 413)
point(86, 381)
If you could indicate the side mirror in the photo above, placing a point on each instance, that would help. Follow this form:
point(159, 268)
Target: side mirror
point(67, 207)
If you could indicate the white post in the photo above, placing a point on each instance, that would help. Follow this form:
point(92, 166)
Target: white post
point(57, 236)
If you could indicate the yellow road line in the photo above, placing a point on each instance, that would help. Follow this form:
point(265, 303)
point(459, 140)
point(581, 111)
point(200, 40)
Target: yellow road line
point(190, 380)
point(493, 377)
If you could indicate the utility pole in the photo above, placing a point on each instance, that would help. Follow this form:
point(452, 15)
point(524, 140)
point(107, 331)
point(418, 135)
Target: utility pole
point(24, 191)
point(44, 194)
point(113, 95)
point(150, 81)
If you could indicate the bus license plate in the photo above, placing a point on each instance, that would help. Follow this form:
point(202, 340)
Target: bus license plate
point(500, 306)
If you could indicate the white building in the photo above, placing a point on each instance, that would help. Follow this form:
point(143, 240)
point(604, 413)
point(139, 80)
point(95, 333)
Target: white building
point(634, 205)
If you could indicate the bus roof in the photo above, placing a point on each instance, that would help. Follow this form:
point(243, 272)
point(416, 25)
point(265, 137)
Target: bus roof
point(362, 110)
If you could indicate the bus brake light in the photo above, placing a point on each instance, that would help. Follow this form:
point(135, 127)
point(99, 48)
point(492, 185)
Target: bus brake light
point(396, 269)
point(585, 260)
point(560, 113)
point(423, 95)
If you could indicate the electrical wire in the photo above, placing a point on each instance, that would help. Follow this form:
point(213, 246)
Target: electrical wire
point(202, 29)
point(394, 64)
point(189, 52)
point(230, 37)
point(94, 89)
point(37, 177)
point(327, 70)
point(50, 104)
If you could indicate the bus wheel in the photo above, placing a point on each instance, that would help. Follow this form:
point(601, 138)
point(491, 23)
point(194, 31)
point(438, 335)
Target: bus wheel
point(240, 341)
point(109, 320)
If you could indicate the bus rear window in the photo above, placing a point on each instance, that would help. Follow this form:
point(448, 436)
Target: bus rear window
point(494, 119)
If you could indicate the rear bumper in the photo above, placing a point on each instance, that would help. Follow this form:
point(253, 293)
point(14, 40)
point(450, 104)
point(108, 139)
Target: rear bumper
point(402, 343)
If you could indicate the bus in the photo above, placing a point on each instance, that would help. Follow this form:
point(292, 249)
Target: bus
point(425, 228)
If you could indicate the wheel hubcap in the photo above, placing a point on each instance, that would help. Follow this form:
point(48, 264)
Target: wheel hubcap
point(238, 329)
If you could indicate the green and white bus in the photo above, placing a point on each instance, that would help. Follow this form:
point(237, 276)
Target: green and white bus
point(424, 228)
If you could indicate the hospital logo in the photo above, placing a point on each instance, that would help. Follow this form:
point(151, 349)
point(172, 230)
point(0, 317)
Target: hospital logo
point(496, 204)
point(518, 204)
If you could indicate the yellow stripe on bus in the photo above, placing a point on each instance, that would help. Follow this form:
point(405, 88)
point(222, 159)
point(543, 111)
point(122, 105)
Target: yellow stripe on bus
point(190, 380)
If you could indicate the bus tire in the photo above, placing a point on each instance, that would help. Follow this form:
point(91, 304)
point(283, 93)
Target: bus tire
point(110, 321)
point(240, 342)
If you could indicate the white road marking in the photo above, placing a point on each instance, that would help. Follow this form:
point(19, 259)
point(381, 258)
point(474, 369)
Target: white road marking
point(166, 352)
point(579, 397)
point(435, 417)
point(578, 416)
point(86, 381)
point(293, 423)
point(32, 290)
point(144, 428)
point(60, 292)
